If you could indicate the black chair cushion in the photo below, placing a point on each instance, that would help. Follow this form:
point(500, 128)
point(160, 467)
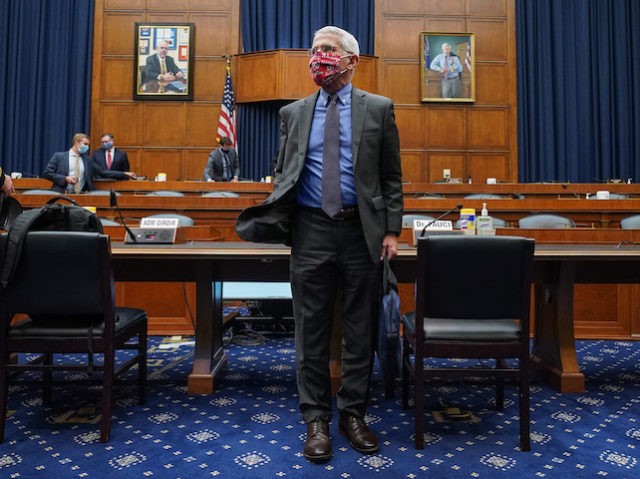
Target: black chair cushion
point(55, 326)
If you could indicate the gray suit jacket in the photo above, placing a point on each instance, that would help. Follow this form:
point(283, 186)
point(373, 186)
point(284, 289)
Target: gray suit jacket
point(214, 169)
point(376, 163)
point(57, 171)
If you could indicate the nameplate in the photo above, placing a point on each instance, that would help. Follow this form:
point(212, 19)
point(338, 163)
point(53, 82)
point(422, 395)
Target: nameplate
point(159, 223)
point(430, 227)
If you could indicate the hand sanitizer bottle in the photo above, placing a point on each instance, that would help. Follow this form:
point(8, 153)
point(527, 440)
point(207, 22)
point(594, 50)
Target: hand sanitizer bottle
point(484, 223)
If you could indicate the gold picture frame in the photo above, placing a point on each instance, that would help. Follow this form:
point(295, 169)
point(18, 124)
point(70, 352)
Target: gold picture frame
point(163, 61)
point(455, 81)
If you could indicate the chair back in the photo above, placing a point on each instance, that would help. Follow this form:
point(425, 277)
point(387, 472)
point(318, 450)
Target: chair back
point(484, 196)
point(546, 221)
point(630, 223)
point(62, 272)
point(220, 194)
point(165, 193)
point(37, 191)
point(464, 277)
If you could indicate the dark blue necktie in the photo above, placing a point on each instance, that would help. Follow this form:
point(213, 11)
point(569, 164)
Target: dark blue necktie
point(331, 200)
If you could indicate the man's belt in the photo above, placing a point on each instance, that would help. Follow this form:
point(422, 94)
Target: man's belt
point(346, 213)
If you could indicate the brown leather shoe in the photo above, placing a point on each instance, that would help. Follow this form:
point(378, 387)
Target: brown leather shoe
point(317, 447)
point(361, 438)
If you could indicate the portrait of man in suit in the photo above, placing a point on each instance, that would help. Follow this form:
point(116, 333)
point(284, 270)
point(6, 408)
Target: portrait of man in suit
point(163, 59)
point(337, 200)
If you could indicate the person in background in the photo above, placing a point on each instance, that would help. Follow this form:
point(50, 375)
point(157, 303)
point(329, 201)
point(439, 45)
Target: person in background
point(73, 171)
point(223, 163)
point(449, 66)
point(108, 158)
point(337, 200)
point(6, 183)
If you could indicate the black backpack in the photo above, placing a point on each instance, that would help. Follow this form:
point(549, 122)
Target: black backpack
point(52, 216)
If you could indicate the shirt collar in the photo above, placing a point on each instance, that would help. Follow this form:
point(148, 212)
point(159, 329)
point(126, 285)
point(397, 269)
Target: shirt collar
point(343, 94)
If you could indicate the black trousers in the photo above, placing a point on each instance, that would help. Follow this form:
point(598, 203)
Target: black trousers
point(326, 255)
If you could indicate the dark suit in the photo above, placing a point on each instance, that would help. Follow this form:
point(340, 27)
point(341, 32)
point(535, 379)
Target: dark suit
point(57, 171)
point(120, 160)
point(214, 169)
point(328, 253)
point(152, 67)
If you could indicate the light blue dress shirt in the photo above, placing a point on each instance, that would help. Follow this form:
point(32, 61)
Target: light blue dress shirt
point(309, 192)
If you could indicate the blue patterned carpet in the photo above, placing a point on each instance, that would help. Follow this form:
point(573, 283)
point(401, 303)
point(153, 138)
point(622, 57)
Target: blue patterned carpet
point(250, 428)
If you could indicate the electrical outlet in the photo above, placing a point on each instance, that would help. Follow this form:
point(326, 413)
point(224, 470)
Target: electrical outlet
point(446, 174)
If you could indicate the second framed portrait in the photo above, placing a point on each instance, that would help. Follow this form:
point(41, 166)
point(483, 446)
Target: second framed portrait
point(447, 67)
point(163, 66)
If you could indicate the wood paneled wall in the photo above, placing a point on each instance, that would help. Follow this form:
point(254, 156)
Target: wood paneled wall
point(476, 140)
point(174, 137)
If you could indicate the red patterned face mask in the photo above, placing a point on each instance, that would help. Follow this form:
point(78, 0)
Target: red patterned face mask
point(324, 67)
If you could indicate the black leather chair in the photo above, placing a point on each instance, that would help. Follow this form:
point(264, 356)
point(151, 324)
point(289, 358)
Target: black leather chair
point(472, 301)
point(64, 284)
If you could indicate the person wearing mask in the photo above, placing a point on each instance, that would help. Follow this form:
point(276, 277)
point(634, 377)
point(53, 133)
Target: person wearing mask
point(73, 171)
point(108, 158)
point(223, 163)
point(449, 66)
point(337, 200)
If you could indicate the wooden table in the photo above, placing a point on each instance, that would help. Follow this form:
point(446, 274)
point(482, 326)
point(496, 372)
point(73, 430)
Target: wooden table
point(557, 269)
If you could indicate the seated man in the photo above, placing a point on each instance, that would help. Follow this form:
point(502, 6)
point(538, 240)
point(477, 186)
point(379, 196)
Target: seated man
point(223, 163)
point(162, 68)
point(73, 171)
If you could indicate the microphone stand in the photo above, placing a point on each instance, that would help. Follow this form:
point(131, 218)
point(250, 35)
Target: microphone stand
point(424, 230)
point(113, 202)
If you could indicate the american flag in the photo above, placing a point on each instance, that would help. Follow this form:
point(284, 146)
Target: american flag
point(427, 53)
point(467, 60)
point(227, 120)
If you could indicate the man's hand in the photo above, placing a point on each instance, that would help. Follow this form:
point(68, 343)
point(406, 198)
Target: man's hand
point(130, 174)
point(389, 246)
point(71, 180)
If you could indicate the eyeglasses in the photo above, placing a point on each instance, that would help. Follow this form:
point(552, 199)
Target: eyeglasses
point(322, 48)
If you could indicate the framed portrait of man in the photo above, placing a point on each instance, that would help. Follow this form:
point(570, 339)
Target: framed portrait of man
point(163, 61)
point(447, 71)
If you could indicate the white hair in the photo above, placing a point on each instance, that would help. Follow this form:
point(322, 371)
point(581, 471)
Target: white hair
point(347, 41)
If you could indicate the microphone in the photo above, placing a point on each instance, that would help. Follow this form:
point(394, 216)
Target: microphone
point(424, 230)
point(113, 203)
point(566, 187)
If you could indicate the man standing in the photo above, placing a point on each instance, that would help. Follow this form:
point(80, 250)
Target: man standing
point(449, 66)
point(73, 171)
point(108, 158)
point(337, 200)
point(223, 163)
